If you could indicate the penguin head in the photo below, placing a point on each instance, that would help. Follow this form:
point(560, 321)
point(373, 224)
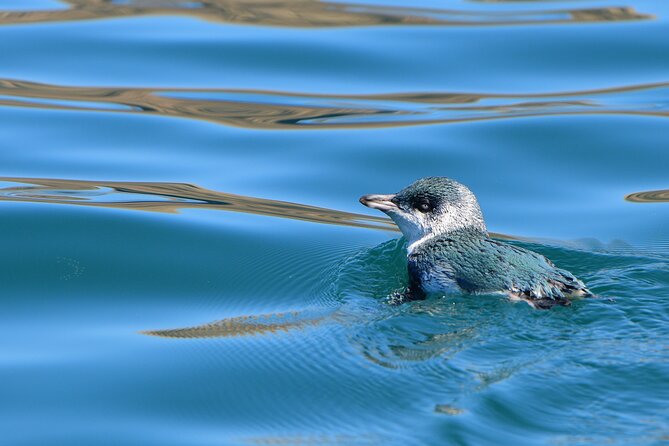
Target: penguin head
point(429, 207)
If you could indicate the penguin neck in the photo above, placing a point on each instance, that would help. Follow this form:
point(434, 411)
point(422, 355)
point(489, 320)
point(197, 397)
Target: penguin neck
point(471, 231)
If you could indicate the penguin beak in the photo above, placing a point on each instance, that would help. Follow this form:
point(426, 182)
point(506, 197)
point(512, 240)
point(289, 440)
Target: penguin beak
point(380, 202)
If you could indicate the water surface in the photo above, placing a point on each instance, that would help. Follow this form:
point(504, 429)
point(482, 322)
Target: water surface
point(185, 261)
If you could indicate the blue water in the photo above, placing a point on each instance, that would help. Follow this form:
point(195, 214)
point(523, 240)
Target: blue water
point(185, 261)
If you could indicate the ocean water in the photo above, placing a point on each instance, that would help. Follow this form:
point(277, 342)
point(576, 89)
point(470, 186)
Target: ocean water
point(185, 262)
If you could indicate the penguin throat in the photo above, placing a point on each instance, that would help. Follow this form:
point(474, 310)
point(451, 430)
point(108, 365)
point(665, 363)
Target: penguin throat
point(420, 241)
point(475, 226)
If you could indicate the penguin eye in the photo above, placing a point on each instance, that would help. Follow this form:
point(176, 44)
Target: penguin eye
point(424, 206)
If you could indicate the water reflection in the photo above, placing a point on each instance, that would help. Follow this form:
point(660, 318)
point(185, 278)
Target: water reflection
point(259, 109)
point(171, 197)
point(242, 326)
point(311, 13)
point(653, 196)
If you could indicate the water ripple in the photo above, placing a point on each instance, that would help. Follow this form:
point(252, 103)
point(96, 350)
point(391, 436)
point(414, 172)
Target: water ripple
point(171, 197)
point(257, 109)
point(242, 326)
point(311, 13)
point(653, 196)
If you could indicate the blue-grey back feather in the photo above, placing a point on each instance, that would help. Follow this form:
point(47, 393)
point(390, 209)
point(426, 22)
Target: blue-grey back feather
point(477, 263)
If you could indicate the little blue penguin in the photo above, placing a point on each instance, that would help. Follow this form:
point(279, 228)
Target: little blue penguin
point(449, 248)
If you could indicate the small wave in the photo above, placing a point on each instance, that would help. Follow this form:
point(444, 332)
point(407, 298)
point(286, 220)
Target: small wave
point(316, 14)
point(257, 109)
point(171, 197)
point(243, 326)
point(653, 196)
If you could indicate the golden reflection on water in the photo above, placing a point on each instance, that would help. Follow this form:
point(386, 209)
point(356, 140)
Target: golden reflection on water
point(171, 197)
point(258, 109)
point(241, 326)
point(448, 409)
point(653, 196)
point(311, 13)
